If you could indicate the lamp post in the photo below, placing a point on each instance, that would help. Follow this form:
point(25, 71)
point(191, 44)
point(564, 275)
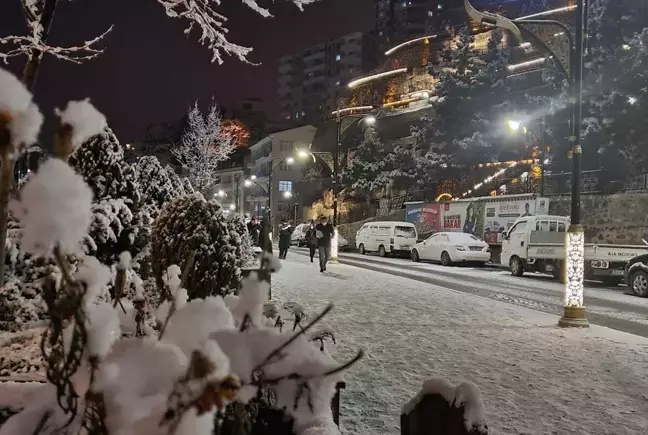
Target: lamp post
point(556, 38)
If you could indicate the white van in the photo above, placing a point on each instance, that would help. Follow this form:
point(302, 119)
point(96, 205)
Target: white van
point(396, 238)
point(298, 237)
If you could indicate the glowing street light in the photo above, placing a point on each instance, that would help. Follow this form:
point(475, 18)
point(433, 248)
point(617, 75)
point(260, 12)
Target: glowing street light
point(303, 154)
point(247, 183)
point(221, 193)
point(513, 125)
point(287, 194)
point(232, 207)
point(370, 120)
point(252, 177)
point(290, 160)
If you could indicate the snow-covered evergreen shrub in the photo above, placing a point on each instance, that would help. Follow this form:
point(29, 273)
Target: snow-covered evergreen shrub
point(238, 228)
point(118, 223)
point(157, 185)
point(191, 224)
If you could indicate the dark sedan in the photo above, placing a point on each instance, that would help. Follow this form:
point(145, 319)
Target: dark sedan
point(636, 275)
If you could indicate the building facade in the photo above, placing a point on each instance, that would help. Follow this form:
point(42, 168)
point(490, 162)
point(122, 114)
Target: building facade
point(310, 80)
point(275, 168)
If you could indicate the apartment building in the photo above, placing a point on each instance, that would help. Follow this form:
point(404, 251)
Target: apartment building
point(275, 166)
point(310, 80)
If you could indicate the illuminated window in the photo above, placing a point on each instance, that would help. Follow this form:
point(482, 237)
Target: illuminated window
point(285, 186)
point(439, 6)
point(338, 57)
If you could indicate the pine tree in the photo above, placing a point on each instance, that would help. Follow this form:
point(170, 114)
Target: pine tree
point(615, 135)
point(472, 96)
point(364, 173)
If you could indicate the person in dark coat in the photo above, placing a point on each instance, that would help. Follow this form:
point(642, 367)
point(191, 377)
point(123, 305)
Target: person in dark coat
point(311, 240)
point(324, 232)
point(254, 229)
point(284, 239)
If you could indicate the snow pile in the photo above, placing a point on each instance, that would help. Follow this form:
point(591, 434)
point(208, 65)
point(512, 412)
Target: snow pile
point(84, 120)
point(24, 118)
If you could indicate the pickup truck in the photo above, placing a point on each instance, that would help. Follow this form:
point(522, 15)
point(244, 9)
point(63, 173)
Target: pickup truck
point(537, 244)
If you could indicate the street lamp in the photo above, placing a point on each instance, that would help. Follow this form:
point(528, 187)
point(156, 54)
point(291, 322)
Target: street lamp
point(287, 194)
point(221, 193)
point(569, 57)
point(232, 207)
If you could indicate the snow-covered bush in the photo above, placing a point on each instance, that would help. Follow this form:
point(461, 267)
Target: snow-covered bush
point(190, 225)
point(238, 228)
point(117, 220)
point(157, 184)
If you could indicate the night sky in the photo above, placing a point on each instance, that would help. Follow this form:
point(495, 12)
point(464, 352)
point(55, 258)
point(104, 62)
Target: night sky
point(150, 72)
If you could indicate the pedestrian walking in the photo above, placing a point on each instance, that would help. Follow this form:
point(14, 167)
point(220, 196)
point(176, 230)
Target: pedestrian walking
point(284, 239)
point(324, 233)
point(254, 230)
point(311, 240)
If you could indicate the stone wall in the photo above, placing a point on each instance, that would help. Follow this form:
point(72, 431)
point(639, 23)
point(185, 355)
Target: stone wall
point(620, 218)
point(348, 231)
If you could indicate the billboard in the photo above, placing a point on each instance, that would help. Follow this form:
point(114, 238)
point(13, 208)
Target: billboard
point(500, 215)
point(462, 216)
point(425, 217)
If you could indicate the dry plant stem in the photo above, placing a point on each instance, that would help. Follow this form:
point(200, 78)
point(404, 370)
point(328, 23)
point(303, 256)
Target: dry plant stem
point(185, 275)
point(62, 263)
point(278, 350)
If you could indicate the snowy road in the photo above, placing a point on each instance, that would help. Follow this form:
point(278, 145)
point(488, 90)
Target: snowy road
point(536, 379)
point(606, 306)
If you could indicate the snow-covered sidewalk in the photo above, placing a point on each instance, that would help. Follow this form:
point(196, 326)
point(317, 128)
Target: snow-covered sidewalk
point(534, 377)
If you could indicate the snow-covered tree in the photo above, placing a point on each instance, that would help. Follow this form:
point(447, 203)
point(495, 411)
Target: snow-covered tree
point(157, 185)
point(201, 16)
point(365, 167)
point(190, 225)
point(245, 248)
point(615, 134)
point(117, 220)
point(472, 97)
point(203, 147)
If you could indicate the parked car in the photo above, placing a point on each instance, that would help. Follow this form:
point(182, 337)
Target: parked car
point(449, 248)
point(298, 236)
point(343, 244)
point(395, 238)
point(636, 275)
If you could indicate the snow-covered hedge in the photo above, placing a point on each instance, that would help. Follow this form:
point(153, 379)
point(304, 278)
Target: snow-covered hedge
point(190, 225)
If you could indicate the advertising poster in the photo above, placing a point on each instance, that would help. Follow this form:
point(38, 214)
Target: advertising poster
point(501, 214)
point(462, 216)
point(424, 216)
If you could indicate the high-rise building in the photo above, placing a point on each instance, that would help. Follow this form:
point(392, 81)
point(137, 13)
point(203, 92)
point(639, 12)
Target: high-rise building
point(310, 80)
point(401, 20)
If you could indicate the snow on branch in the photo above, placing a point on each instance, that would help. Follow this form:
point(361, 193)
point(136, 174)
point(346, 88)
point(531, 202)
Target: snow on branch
point(211, 24)
point(204, 145)
point(26, 45)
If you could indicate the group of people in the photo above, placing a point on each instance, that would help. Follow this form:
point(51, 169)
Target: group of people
point(318, 238)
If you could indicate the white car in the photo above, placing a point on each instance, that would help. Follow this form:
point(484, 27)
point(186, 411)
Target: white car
point(450, 248)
